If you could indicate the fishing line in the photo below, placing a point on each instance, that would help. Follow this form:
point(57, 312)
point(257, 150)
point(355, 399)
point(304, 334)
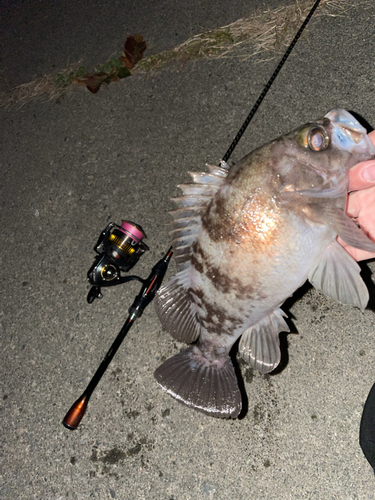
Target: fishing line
point(268, 85)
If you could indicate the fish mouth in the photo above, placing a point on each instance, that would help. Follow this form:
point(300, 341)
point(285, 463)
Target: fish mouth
point(348, 134)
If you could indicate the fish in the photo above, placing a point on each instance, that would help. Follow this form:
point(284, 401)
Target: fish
point(245, 239)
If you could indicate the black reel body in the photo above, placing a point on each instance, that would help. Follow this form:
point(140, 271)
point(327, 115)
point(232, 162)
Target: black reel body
point(119, 249)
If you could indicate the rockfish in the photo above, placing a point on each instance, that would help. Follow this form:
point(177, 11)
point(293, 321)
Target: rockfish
point(245, 239)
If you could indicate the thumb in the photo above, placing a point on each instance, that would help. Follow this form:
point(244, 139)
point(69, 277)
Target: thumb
point(362, 175)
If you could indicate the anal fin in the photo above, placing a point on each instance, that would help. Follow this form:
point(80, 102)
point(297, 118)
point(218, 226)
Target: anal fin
point(337, 276)
point(206, 386)
point(260, 346)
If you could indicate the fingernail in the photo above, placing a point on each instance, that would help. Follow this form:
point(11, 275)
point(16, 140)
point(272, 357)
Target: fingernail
point(369, 173)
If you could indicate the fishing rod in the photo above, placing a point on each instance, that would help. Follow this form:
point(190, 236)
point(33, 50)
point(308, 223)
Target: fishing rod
point(240, 133)
point(118, 248)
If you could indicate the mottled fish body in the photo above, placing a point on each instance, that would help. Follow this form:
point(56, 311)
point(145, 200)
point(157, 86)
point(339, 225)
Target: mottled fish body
point(244, 240)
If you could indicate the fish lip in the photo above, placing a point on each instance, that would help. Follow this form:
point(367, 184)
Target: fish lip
point(345, 120)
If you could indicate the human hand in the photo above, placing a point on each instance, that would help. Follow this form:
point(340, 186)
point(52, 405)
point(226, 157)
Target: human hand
point(361, 203)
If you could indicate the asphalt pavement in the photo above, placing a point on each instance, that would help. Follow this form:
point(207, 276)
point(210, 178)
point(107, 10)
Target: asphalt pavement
point(69, 167)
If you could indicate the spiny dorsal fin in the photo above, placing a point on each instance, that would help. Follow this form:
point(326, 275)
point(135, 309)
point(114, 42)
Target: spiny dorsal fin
point(187, 217)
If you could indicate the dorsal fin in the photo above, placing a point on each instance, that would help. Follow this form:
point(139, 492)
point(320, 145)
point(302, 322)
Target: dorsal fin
point(173, 302)
point(187, 217)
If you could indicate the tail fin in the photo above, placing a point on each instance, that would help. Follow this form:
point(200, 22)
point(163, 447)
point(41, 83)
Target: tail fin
point(209, 388)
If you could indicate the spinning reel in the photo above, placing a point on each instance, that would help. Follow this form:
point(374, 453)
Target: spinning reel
point(119, 249)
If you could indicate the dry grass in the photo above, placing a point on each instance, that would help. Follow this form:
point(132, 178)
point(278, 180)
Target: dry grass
point(266, 32)
point(51, 87)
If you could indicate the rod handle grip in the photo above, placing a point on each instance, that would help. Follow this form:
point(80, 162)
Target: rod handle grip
point(74, 416)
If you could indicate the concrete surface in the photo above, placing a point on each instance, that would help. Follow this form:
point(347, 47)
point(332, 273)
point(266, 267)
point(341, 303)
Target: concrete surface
point(67, 169)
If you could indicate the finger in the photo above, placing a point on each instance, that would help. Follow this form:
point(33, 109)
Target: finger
point(357, 254)
point(361, 204)
point(362, 175)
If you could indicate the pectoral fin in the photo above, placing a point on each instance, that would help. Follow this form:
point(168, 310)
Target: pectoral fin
point(343, 225)
point(260, 345)
point(337, 276)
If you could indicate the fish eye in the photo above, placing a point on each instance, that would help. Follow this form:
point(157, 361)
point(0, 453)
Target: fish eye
point(313, 137)
point(317, 139)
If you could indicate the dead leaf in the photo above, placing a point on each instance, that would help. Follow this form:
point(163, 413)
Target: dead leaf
point(133, 50)
point(94, 81)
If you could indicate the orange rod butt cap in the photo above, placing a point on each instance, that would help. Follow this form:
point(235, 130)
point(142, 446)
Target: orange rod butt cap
point(75, 414)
